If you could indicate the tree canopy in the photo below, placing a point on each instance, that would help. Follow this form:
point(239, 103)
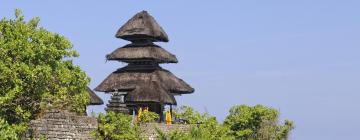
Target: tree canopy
point(243, 123)
point(256, 123)
point(36, 72)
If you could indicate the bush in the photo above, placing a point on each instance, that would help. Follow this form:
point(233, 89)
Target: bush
point(202, 127)
point(256, 123)
point(116, 126)
point(7, 131)
point(189, 115)
point(148, 116)
point(243, 123)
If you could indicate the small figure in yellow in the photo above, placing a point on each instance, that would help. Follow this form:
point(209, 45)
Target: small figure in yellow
point(139, 114)
point(146, 110)
point(168, 118)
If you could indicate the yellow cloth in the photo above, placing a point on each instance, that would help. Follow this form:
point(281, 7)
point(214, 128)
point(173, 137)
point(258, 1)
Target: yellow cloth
point(139, 114)
point(168, 118)
point(146, 110)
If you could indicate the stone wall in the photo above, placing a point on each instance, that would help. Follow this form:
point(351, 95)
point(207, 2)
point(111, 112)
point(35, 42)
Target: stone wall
point(61, 124)
point(149, 129)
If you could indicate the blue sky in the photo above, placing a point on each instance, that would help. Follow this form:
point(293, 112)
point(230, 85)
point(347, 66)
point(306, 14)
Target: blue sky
point(300, 57)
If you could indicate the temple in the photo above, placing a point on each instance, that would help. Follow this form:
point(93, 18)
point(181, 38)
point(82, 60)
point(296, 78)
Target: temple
point(142, 83)
point(94, 99)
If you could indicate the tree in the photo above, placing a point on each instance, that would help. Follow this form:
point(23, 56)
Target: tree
point(116, 126)
point(256, 123)
point(36, 72)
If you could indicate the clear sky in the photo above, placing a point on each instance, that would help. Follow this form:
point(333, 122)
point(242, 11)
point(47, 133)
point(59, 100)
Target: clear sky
point(301, 57)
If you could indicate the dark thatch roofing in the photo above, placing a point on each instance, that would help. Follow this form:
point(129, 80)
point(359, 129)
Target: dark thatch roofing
point(142, 27)
point(132, 52)
point(94, 99)
point(150, 91)
point(130, 77)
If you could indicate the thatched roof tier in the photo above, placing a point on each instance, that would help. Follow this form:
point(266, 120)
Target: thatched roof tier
point(151, 52)
point(142, 27)
point(130, 77)
point(150, 92)
point(94, 99)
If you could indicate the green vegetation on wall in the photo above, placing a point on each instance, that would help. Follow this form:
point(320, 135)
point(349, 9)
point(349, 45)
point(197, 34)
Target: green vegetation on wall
point(116, 126)
point(243, 123)
point(148, 117)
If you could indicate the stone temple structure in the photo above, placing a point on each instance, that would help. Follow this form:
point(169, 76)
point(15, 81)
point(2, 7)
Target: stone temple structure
point(142, 83)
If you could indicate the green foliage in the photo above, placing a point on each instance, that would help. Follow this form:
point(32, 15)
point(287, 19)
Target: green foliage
point(11, 132)
point(36, 72)
point(189, 115)
point(6, 131)
point(148, 116)
point(256, 123)
point(209, 129)
point(202, 127)
point(243, 123)
point(116, 126)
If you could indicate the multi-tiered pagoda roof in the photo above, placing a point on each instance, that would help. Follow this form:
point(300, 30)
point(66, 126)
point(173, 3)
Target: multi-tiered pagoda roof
point(143, 80)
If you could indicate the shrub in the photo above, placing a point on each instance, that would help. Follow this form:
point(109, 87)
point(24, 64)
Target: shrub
point(116, 126)
point(148, 116)
point(256, 123)
point(202, 126)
